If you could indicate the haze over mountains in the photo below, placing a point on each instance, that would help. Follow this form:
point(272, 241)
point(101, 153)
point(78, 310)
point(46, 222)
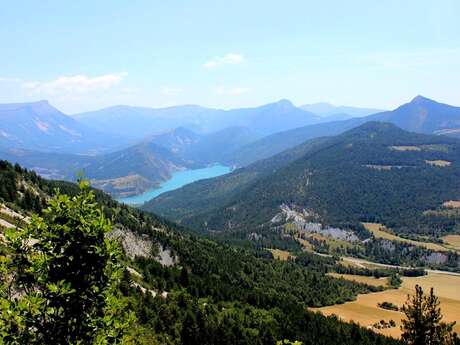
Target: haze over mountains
point(331, 112)
point(421, 115)
point(138, 122)
point(126, 150)
point(40, 126)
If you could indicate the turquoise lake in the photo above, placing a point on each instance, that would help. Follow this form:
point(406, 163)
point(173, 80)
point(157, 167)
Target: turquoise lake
point(178, 179)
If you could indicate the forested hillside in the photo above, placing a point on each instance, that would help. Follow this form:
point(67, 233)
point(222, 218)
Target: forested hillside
point(374, 173)
point(188, 290)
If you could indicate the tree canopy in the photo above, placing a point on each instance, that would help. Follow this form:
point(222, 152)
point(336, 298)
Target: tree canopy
point(59, 280)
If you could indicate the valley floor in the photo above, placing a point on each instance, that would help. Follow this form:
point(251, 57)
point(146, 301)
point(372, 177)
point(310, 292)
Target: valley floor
point(366, 312)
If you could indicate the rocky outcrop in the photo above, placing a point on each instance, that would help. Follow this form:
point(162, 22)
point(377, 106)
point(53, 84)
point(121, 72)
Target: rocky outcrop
point(301, 219)
point(134, 245)
point(166, 257)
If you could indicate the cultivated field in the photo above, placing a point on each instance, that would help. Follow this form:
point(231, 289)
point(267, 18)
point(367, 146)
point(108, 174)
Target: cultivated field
point(280, 254)
point(366, 312)
point(452, 241)
point(380, 231)
point(362, 279)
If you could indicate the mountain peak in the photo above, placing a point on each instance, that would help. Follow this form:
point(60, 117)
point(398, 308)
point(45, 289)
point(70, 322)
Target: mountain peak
point(373, 127)
point(420, 99)
point(285, 103)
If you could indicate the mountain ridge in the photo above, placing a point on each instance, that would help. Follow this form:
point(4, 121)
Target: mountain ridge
point(40, 126)
point(259, 119)
point(328, 110)
point(433, 117)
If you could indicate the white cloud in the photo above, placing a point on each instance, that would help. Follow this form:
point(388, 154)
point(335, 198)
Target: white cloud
point(76, 84)
point(233, 91)
point(228, 59)
point(171, 91)
point(9, 80)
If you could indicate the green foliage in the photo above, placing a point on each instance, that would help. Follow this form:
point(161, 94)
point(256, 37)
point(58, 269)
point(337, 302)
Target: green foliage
point(229, 296)
point(394, 280)
point(405, 254)
point(388, 306)
point(287, 342)
point(423, 324)
point(59, 283)
point(217, 294)
point(332, 178)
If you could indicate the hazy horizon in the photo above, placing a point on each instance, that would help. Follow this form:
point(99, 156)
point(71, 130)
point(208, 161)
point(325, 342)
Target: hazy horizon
point(85, 56)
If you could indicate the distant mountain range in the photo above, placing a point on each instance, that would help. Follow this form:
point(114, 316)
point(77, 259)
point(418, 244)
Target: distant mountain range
point(205, 148)
point(376, 172)
point(334, 113)
point(136, 122)
point(40, 126)
point(421, 115)
point(126, 150)
point(139, 122)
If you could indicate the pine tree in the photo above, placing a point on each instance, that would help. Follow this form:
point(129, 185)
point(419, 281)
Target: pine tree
point(423, 324)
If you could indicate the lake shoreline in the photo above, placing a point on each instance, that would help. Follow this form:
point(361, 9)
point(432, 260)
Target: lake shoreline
point(178, 179)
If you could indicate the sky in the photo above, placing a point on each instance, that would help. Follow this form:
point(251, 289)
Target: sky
point(84, 55)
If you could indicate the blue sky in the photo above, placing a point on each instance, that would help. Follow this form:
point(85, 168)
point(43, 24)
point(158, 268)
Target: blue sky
point(83, 55)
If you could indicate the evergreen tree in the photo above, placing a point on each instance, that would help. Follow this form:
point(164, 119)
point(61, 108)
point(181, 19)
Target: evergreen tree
point(59, 282)
point(423, 324)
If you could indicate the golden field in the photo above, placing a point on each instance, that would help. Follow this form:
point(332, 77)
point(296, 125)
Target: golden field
point(380, 231)
point(362, 279)
point(279, 254)
point(366, 312)
point(452, 241)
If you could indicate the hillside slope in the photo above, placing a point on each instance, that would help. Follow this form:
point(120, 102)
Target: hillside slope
point(180, 286)
point(121, 173)
point(374, 172)
point(39, 126)
point(139, 167)
point(208, 148)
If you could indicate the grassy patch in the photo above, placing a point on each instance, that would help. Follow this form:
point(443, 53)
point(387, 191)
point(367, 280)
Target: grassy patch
point(369, 280)
point(452, 241)
point(380, 231)
point(279, 254)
